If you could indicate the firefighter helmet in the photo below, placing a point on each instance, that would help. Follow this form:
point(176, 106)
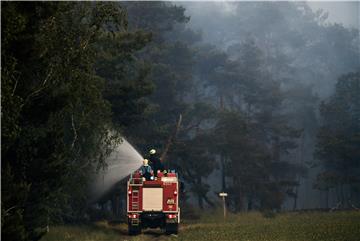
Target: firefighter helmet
point(152, 151)
point(146, 162)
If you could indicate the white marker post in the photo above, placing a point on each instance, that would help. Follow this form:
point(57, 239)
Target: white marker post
point(223, 195)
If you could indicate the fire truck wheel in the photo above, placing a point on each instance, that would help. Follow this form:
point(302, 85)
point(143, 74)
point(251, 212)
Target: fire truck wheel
point(171, 228)
point(133, 230)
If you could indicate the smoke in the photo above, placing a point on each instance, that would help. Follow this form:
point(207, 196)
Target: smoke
point(304, 49)
point(122, 161)
point(346, 13)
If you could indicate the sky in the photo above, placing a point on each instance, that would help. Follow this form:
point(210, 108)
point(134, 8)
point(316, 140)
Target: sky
point(343, 12)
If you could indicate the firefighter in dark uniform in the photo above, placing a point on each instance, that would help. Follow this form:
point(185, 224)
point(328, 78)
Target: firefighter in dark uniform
point(155, 162)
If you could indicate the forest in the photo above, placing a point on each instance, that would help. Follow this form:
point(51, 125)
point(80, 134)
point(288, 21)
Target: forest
point(268, 95)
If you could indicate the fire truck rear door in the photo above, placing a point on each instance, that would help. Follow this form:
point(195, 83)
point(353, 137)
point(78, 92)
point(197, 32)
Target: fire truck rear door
point(152, 199)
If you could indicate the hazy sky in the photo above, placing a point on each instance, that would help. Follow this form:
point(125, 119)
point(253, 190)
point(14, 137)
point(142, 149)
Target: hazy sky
point(343, 12)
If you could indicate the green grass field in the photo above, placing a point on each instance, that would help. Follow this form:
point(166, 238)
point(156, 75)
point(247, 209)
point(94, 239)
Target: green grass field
point(339, 226)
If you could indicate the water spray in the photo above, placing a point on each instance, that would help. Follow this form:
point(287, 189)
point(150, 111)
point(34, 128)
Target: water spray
point(123, 160)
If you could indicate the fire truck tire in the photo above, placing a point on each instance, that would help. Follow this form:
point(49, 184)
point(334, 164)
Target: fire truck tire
point(134, 230)
point(171, 228)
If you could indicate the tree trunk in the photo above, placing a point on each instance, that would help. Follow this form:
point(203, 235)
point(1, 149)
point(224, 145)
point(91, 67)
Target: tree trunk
point(250, 203)
point(208, 201)
point(338, 196)
point(327, 198)
point(295, 198)
point(200, 195)
point(223, 174)
point(171, 139)
point(221, 102)
point(342, 194)
point(237, 193)
point(276, 149)
point(200, 202)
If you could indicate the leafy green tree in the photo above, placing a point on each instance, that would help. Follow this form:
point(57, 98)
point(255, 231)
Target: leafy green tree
point(126, 76)
point(170, 75)
point(56, 114)
point(253, 135)
point(192, 155)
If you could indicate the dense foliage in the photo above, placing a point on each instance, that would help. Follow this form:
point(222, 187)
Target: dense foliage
point(57, 106)
point(339, 141)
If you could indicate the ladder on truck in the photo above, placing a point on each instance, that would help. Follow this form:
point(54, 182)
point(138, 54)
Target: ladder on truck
point(135, 181)
point(135, 200)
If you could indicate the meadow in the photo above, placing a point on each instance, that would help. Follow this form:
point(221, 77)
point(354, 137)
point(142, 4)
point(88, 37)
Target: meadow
point(303, 226)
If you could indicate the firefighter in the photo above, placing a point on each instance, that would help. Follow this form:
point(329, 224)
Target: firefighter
point(155, 162)
point(146, 170)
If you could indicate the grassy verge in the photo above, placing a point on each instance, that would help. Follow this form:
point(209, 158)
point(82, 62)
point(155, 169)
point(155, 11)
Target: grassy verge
point(337, 226)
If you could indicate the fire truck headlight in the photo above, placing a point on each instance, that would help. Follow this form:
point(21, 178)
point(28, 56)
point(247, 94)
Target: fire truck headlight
point(172, 216)
point(151, 178)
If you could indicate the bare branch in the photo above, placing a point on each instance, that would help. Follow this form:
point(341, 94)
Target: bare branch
point(171, 139)
point(42, 87)
point(8, 210)
point(75, 132)
point(16, 83)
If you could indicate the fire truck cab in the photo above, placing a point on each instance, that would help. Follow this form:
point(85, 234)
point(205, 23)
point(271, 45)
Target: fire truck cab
point(153, 203)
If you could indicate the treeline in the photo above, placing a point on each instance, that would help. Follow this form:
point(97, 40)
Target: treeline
point(250, 110)
point(338, 143)
point(76, 75)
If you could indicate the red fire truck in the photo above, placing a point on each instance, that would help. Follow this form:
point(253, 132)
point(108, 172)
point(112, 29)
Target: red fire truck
point(153, 203)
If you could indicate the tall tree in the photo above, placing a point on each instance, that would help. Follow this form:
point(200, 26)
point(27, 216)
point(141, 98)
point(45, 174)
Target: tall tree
point(338, 142)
